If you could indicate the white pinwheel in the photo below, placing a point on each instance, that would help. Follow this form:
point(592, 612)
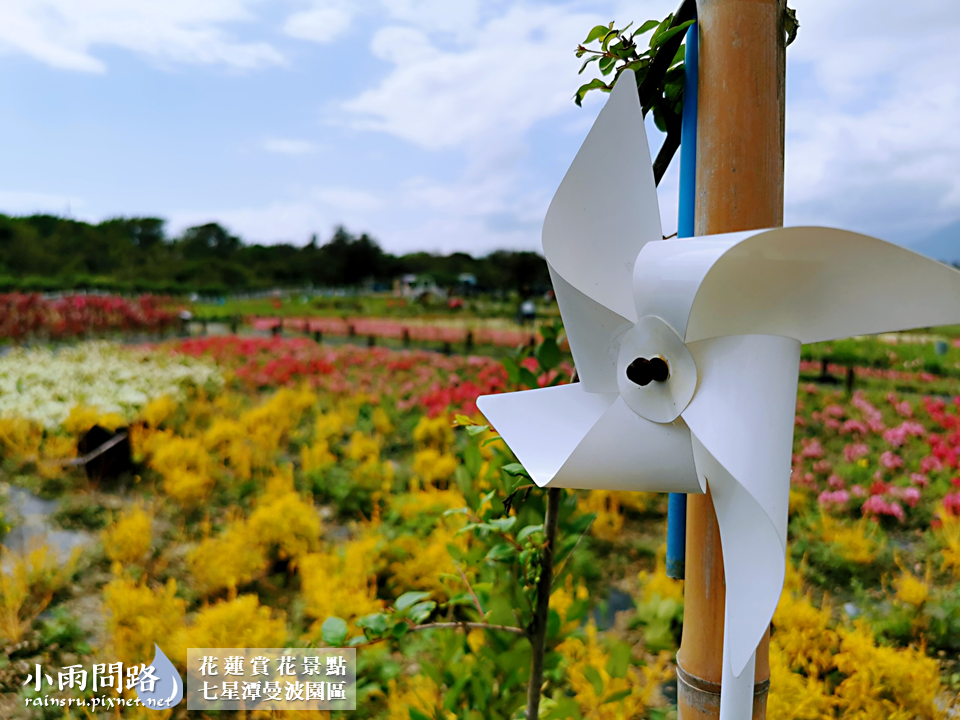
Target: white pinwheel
point(688, 354)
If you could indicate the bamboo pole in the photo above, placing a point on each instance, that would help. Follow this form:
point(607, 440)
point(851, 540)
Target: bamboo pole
point(740, 139)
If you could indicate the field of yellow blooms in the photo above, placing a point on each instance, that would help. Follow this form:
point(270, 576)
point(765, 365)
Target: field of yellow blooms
point(288, 494)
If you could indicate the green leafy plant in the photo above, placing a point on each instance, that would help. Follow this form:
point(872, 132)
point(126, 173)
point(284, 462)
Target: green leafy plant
point(659, 68)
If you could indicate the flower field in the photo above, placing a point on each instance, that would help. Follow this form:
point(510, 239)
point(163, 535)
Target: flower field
point(473, 332)
point(31, 315)
point(287, 493)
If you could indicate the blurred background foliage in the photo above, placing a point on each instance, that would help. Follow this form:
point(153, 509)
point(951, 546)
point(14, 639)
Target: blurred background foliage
point(135, 254)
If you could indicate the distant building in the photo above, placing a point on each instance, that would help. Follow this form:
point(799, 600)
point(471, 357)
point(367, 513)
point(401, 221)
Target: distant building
point(419, 287)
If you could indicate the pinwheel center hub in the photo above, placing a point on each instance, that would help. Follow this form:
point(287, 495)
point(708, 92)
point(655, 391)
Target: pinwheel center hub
point(656, 373)
point(643, 371)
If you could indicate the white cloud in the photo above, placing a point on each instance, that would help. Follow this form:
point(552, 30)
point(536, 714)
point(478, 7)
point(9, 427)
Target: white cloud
point(289, 147)
point(872, 140)
point(63, 33)
point(459, 18)
point(494, 90)
point(293, 219)
point(324, 22)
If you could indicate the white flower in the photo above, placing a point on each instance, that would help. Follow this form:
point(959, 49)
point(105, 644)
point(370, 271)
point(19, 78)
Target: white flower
point(45, 385)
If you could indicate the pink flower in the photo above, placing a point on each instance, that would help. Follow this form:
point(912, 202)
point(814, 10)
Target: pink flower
point(832, 423)
point(811, 448)
point(839, 497)
point(890, 461)
point(904, 409)
point(853, 426)
point(858, 491)
point(909, 495)
point(919, 479)
point(876, 505)
point(836, 482)
point(833, 411)
point(853, 451)
point(895, 436)
point(931, 462)
point(822, 466)
point(799, 421)
point(798, 477)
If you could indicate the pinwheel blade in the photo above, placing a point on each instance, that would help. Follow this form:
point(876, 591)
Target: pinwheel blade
point(741, 420)
point(623, 451)
point(606, 207)
point(592, 331)
point(567, 437)
point(754, 565)
point(807, 283)
point(542, 427)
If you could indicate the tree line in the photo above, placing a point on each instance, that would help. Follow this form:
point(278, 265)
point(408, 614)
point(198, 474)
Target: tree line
point(50, 253)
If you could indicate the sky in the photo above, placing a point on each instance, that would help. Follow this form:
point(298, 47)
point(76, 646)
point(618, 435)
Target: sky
point(438, 125)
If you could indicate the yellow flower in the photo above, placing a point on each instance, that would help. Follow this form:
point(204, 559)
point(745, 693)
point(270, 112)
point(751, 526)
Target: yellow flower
point(855, 544)
point(586, 659)
point(128, 539)
point(285, 525)
point(435, 433)
point(949, 536)
point(224, 562)
point(138, 617)
point(424, 563)
point(911, 590)
point(341, 582)
point(363, 447)
point(563, 598)
point(432, 467)
point(28, 582)
point(187, 487)
point(158, 410)
point(329, 426)
point(316, 456)
point(241, 622)
point(476, 639)
point(381, 421)
point(82, 418)
point(798, 501)
point(658, 583)
point(20, 438)
point(606, 504)
point(802, 634)
point(875, 682)
point(794, 696)
point(883, 682)
point(59, 447)
point(428, 502)
point(420, 693)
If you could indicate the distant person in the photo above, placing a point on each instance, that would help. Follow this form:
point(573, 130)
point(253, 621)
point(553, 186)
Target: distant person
point(528, 311)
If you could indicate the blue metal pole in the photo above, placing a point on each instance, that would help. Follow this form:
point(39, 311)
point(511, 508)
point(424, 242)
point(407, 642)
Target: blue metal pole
point(677, 509)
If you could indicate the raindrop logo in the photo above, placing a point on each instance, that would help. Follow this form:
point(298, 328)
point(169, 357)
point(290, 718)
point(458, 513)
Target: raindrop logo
point(159, 686)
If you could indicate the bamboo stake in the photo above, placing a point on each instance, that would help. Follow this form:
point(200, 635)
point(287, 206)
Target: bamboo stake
point(740, 140)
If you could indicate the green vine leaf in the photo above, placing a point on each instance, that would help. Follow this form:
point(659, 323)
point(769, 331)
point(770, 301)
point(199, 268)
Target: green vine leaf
point(790, 24)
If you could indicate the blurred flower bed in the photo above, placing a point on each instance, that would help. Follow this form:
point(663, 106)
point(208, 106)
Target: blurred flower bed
point(70, 316)
point(293, 494)
point(456, 333)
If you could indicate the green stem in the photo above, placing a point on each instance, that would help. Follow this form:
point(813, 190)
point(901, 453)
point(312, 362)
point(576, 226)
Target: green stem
point(538, 629)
